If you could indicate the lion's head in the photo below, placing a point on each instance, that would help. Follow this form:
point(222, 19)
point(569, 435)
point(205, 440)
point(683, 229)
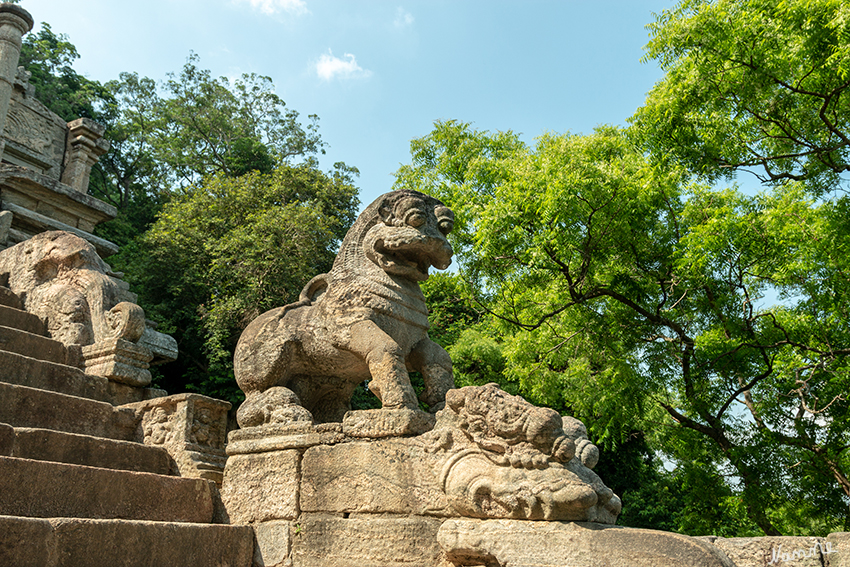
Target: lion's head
point(407, 234)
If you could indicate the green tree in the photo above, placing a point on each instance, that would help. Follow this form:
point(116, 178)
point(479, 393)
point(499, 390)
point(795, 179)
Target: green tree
point(49, 58)
point(757, 85)
point(190, 127)
point(638, 301)
point(223, 252)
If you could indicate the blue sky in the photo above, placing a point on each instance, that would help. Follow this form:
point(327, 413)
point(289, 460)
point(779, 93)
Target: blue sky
point(380, 72)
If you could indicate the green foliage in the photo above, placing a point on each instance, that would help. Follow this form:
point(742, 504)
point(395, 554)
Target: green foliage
point(449, 307)
point(190, 127)
point(639, 302)
point(752, 84)
point(49, 58)
point(222, 253)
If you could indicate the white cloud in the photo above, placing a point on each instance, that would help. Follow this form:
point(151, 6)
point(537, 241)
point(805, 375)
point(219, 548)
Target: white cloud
point(403, 18)
point(296, 7)
point(330, 67)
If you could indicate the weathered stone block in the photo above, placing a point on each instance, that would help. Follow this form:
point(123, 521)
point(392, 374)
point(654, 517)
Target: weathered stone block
point(837, 549)
point(384, 476)
point(191, 427)
point(25, 542)
point(61, 447)
point(44, 489)
point(117, 543)
point(521, 543)
point(261, 487)
point(119, 361)
point(9, 299)
point(70, 542)
point(281, 436)
point(19, 319)
point(21, 406)
point(377, 423)
point(776, 551)
point(32, 345)
point(366, 541)
point(25, 371)
point(7, 439)
point(272, 543)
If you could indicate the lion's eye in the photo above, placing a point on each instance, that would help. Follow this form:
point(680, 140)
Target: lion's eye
point(446, 225)
point(414, 218)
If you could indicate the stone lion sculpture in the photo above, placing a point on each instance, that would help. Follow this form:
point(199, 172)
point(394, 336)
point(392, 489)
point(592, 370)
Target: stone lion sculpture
point(506, 458)
point(364, 320)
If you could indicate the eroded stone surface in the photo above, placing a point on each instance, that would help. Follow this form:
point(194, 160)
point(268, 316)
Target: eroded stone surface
point(506, 458)
point(261, 487)
point(837, 550)
point(378, 423)
point(516, 543)
point(63, 281)
point(779, 551)
point(78, 542)
point(365, 320)
point(368, 541)
point(191, 427)
point(388, 476)
point(280, 436)
point(272, 544)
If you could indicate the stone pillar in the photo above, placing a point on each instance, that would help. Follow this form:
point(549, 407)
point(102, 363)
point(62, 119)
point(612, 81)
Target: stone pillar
point(14, 23)
point(85, 145)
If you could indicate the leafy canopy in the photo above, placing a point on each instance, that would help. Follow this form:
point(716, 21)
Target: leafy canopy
point(759, 85)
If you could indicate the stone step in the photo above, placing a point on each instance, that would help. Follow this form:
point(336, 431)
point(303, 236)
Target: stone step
point(27, 371)
point(32, 345)
point(71, 542)
point(22, 406)
point(42, 489)
point(18, 319)
point(75, 449)
point(9, 299)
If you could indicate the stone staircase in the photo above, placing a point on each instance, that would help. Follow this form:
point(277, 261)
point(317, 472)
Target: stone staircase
point(78, 486)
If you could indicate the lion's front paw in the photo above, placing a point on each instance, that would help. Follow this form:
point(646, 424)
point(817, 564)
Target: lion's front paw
point(275, 405)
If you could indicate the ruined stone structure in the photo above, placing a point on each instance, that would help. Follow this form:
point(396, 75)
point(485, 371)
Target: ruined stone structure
point(46, 162)
point(97, 468)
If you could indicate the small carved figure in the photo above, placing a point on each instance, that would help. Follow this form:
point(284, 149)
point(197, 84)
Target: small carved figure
point(60, 278)
point(365, 320)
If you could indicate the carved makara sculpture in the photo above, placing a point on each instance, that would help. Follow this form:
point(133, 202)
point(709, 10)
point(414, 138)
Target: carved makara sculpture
point(365, 320)
point(60, 278)
point(506, 458)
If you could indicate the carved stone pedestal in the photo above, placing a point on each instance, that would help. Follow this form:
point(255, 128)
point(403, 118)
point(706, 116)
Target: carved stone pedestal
point(191, 427)
point(374, 490)
point(119, 360)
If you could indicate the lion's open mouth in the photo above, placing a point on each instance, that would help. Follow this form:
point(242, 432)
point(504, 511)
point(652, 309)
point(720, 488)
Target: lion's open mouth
point(396, 261)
